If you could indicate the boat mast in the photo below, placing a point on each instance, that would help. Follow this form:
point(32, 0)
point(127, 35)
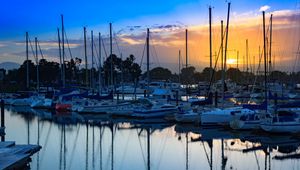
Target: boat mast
point(148, 56)
point(222, 48)
point(148, 149)
point(247, 61)
point(63, 50)
point(112, 145)
point(37, 65)
point(111, 57)
point(222, 63)
point(122, 76)
point(186, 151)
point(226, 41)
point(186, 58)
point(85, 59)
point(270, 49)
point(186, 48)
point(100, 85)
point(92, 69)
point(265, 58)
point(179, 67)
point(210, 43)
point(59, 53)
point(237, 59)
point(27, 63)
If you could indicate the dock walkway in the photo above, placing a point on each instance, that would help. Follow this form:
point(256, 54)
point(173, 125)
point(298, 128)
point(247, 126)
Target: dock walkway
point(14, 156)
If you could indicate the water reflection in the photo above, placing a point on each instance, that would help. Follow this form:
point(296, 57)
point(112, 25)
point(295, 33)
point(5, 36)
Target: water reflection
point(73, 141)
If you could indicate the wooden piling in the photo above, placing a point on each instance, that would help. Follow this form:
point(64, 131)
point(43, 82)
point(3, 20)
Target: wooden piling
point(2, 122)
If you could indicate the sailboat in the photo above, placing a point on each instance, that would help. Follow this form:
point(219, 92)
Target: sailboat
point(222, 116)
point(159, 106)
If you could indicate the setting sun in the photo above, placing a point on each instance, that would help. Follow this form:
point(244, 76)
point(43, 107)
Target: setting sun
point(231, 61)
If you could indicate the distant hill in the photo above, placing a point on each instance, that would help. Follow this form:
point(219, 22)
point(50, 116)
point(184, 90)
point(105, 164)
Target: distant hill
point(9, 65)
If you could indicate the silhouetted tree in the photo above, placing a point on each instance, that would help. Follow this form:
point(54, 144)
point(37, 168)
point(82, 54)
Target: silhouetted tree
point(187, 75)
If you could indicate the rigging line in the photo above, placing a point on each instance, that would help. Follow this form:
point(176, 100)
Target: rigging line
point(163, 149)
point(257, 72)
point(68, 45)
point(99, 148)
point(74, 146)
point(153, 46)
point(91, 45)
point(126, 147)
point(40, 50)
point(140, 143)
point(209, 162)
point(97, 55)
point(31, 48)
point(46, 142)
point(143, 53)
point(217, 58)
point(117, 43)
point(257, 160)
point(108, 159)
point(60, 149)
point(297, 57)
point(104, 48)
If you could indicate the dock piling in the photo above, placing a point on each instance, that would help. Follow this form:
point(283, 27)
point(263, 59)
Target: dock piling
point(2, 121)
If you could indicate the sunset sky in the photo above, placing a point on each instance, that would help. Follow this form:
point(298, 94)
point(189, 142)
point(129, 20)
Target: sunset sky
point(167, 21)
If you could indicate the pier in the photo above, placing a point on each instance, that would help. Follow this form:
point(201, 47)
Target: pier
point(14, 156)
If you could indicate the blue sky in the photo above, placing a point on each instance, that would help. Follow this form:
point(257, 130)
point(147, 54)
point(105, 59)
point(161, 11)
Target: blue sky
point(43, 16)
point(168, 18)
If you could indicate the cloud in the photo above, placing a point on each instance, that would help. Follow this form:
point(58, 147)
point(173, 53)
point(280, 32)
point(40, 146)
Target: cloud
point(49, 44)
point(2, 45)
point(131, 40)
point(264, 8)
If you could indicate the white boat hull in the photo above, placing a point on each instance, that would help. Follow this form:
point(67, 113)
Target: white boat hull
point(21, 102)
point(189, 117)
point(101, 108)
point(154, 113)
point(42, 103)
point(223, 116)
point(244, 125)
point(281, 127)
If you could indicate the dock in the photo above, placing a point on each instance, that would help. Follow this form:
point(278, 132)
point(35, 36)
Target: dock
point(14, 156)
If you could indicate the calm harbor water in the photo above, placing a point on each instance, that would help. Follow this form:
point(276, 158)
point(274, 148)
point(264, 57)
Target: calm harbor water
point(73, 141)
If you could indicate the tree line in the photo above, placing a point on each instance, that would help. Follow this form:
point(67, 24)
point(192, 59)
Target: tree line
point(124, 70)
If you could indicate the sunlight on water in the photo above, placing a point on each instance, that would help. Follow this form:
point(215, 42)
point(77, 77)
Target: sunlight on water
point(97, 142)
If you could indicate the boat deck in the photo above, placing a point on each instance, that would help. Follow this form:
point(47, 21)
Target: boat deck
point(14, 156)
